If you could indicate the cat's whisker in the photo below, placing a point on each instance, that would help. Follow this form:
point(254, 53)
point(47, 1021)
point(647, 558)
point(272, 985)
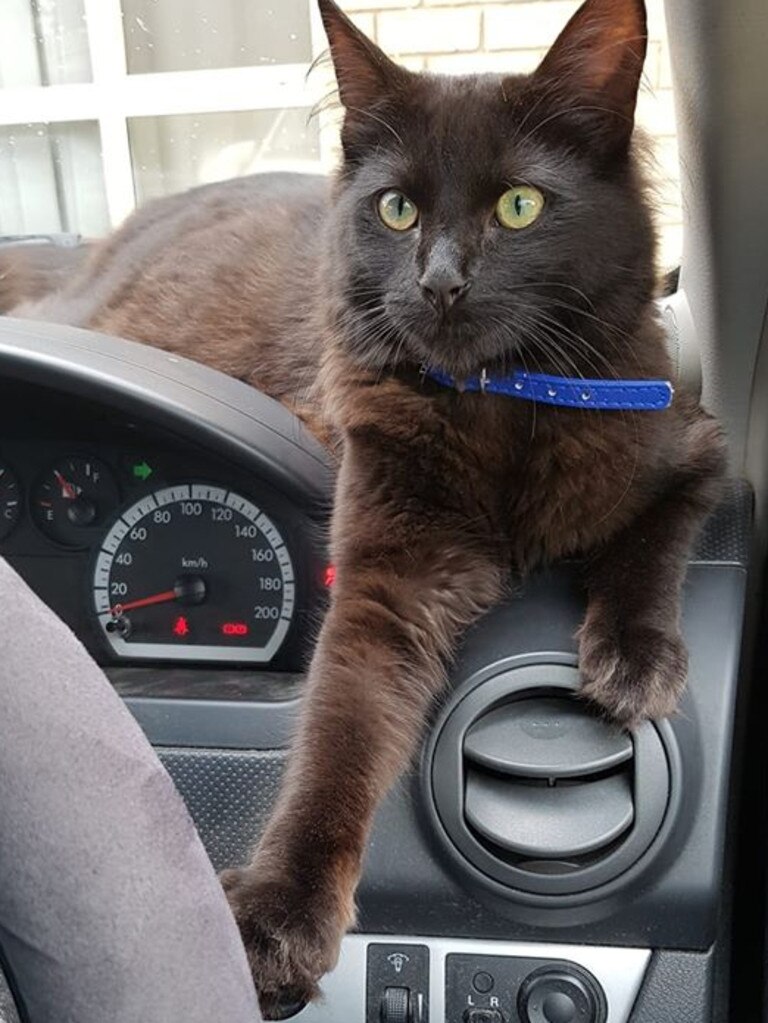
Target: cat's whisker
point(542, 93)
point(580, 343)
point(381, 121)
point(565, 112)
point(625, 351)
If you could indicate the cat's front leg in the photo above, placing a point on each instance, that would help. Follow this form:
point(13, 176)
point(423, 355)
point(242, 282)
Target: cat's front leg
point(408, 580)
point(632, 657)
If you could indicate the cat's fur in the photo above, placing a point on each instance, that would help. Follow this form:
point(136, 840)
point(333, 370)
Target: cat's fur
point(296, 286)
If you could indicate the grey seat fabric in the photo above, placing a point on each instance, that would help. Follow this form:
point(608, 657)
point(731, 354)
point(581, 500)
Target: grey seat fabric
point(110, 911)
point(8, 1013)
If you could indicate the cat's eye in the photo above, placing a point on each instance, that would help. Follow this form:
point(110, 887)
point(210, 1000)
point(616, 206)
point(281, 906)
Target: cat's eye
point(397, 211)
point(519, 207)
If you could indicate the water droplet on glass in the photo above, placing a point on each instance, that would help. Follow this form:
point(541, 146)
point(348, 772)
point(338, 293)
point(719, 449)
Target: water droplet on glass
point(518, 385)
point(551, 392)
point(585, 395)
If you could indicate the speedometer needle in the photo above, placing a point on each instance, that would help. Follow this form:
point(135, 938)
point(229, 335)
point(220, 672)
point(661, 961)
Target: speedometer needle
point(156, 598)
point(188, 589)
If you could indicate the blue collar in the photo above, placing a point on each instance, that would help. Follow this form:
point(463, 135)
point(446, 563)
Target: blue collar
point(571, 392)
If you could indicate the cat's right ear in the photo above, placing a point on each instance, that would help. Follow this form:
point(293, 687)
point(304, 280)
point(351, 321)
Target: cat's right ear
point(366, 76)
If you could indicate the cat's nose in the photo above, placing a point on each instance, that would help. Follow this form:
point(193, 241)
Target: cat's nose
point(443, 288)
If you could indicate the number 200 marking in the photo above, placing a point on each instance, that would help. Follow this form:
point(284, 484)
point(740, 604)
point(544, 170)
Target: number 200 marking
point(261, 612)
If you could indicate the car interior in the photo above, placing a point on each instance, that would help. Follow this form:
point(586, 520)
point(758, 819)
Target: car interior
point(534, 865)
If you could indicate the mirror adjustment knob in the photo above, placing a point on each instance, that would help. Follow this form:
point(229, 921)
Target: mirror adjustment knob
point(560, 995)
point(396, 1005)
point(559, 1007)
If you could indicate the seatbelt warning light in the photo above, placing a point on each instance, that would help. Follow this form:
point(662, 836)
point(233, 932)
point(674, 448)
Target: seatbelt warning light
point(181, 626)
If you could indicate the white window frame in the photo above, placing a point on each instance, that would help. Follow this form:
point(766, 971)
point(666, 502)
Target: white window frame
point(113, 96)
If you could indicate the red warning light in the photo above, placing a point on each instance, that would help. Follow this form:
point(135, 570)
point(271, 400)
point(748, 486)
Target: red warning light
point(181, 626)
point(330, 575)
point(234, 629)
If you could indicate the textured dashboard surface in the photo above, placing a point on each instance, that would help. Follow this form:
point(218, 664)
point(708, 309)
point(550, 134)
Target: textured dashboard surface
point(677, 989)
point(229, 795)
point(726, 536)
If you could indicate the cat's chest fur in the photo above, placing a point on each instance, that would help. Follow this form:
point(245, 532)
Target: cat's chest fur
point(548, 482)
point(580, 480)
point(565, 479)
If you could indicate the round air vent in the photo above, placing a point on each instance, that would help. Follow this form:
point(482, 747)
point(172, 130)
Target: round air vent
point(536, 792)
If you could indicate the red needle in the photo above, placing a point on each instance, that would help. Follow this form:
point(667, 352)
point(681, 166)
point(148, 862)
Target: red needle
point(67, 489)
point(157, 598)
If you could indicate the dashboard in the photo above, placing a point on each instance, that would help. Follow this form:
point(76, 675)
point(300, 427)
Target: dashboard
point(152, 548)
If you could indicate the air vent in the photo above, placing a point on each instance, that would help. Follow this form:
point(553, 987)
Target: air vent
point(540, 795)
point(545, 782)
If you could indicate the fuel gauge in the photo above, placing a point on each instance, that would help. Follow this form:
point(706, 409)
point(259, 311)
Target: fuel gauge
point(10, 502)
point(73, 498)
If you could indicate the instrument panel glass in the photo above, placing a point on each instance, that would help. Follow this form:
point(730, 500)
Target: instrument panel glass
point(194, 571)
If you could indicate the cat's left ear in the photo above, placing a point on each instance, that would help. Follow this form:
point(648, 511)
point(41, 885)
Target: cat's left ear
point(596, 62)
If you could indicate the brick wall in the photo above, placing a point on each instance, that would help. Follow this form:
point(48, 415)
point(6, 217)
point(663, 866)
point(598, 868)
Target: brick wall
point(462, 36)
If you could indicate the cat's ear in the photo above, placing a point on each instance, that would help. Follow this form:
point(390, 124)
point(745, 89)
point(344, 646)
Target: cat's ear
point(365, 74)
point(596, 62)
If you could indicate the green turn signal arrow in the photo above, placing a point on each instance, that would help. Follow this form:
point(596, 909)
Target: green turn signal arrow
point(142, 471)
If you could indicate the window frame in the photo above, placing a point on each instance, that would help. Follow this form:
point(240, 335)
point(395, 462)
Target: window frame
point(114, 96)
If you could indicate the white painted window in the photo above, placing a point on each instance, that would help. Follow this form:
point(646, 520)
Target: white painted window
point(107, 103)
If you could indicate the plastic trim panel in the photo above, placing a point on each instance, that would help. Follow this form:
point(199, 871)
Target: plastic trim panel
point(620, 971)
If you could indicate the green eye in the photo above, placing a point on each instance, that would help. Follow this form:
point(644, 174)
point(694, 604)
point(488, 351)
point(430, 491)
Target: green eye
point(519, 207)
point(397, 211)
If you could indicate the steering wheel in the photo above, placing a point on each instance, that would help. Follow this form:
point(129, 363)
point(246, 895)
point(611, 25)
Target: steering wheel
point(109, 906)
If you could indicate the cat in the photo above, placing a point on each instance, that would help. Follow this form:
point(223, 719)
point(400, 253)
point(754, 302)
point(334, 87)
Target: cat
point(477, 226)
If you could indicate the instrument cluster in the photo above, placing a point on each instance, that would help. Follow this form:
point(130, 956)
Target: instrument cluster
point(151, 549)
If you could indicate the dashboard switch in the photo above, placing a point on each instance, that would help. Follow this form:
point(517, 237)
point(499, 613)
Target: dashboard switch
point(483, 1016)
point(561, 994)
point(482, 982)
point(396, 1005)
point(559, 1007)
point(397, 983)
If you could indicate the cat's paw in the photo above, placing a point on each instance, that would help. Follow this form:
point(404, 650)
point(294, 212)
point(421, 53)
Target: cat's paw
point(291, 937)
point(633, 675)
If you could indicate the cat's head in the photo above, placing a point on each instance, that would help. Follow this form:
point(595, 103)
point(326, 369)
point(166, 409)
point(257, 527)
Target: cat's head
point(492, 221)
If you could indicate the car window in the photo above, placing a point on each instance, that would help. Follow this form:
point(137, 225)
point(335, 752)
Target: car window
point(105, 104)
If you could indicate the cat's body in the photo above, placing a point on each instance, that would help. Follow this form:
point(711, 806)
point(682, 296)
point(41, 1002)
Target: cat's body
point(221, 274)
point(232, 275)
point(331, 298)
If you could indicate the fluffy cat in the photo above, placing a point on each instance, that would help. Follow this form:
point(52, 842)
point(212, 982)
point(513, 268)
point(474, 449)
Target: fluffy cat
point(477, 223)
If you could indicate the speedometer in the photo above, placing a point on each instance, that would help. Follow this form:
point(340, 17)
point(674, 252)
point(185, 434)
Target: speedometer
point(194, 572)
